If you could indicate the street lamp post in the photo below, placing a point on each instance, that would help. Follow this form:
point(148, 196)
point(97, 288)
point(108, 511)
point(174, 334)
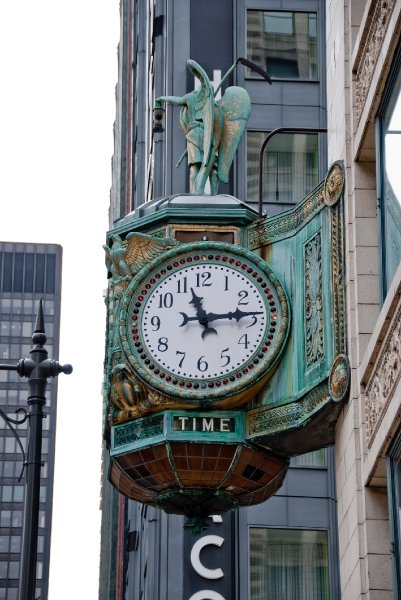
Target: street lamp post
point(37, 367)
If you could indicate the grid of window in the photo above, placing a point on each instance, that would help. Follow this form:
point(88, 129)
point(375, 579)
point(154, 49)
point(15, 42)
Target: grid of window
point(283, 43)
point(27, 272)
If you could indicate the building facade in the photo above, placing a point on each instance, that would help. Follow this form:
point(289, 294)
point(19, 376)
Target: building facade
point(28, 272)
point(146, 553)
point(363, 90)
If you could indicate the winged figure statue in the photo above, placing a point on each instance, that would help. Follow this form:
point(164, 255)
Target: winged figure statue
point(213, 128)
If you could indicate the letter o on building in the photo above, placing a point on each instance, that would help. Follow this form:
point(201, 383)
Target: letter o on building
point(207, 595)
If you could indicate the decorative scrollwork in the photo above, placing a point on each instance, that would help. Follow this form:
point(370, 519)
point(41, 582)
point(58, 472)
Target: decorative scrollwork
point(314, 338)
point(378, 22)
point(269, 230)
point(384, 378)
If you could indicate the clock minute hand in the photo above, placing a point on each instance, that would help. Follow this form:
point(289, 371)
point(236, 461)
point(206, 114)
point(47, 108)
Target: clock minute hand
point(237, 315)
point(201, 315)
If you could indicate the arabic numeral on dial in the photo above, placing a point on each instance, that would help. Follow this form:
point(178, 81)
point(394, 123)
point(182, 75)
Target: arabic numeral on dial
point(166, 300)
point(202, 279)
point(162, 344)
point(155, 322)
point(182, 359)
point(182, 286)
point(202, 365)
point(225, 357)
point(243, 341)
point(243, 294)
point(254, 321)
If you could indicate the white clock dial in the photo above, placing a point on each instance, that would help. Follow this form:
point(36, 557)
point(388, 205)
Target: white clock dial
point(204, 321)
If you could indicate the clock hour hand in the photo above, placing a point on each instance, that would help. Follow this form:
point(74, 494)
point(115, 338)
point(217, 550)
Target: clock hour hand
point(237, 315)
point(201, 315)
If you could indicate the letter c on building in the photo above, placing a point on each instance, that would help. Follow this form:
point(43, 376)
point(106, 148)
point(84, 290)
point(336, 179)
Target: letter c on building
point(208, 540)
point(207, 595)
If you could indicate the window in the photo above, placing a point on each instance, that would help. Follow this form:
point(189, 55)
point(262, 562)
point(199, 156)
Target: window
point(394, 493)
point(389, 147)
point(288, 563)
point(283, 43)
point(290, 166)
point(317, 458)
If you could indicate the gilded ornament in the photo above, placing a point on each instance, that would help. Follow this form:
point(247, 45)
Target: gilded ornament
point(334, 184)
point(339, 378)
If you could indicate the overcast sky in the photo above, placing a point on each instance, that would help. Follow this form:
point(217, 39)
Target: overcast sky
point(57, 107)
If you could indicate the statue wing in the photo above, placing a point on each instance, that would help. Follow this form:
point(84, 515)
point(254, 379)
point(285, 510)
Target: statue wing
point(142, 248)
point(207, 113)
point(236, 107)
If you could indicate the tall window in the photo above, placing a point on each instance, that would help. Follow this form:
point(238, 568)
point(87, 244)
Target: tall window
point(389, 147)
point(288, 563)
point(290, 166)
point(394, 492)
point(283, 43)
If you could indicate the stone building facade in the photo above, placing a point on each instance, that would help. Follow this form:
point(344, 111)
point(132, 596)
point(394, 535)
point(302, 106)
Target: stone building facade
point(363, 66)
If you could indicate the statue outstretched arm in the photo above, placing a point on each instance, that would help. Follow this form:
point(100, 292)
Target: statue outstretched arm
point(176, 100)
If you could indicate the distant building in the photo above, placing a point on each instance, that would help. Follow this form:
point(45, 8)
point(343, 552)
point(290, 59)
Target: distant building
point(28, 272)
point(146, 553)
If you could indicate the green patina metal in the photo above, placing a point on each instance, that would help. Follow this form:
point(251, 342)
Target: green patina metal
point(166, 260)
point(295, 410)
point(137, 434)
point(193, 426)
point(213, 129)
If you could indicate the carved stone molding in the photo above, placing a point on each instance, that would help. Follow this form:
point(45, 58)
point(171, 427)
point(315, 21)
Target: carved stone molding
point(381, 11)
point(314, 334)
point(383, 378)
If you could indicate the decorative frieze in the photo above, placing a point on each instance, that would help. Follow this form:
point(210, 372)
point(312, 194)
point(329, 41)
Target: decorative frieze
point(274, 420)
point(384, 378)
point(378, 22)
point(269, 230)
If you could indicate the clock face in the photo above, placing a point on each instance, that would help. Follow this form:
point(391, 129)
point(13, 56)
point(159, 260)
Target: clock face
point(204, 324)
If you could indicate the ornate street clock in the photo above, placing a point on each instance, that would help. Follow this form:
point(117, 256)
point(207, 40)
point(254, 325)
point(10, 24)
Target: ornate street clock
point(204, 323)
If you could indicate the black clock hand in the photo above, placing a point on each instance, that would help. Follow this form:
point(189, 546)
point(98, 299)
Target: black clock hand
point(201, 315)
point(237, 315)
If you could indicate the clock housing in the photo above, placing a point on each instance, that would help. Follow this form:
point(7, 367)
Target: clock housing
point(204, 322)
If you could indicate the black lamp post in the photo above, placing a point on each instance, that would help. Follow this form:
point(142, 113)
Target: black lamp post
point(37, 367)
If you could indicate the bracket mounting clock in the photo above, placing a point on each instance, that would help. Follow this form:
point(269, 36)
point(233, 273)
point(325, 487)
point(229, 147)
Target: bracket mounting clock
point(204, 323)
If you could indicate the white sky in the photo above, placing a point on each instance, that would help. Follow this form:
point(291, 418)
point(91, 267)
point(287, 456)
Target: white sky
point(57, 106)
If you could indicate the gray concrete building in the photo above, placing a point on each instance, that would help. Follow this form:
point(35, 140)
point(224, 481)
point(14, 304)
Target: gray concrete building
point(28, 272)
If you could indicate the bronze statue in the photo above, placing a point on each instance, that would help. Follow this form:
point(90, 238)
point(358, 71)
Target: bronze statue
point(213, 129)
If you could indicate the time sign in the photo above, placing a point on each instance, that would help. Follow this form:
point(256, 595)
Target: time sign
point(204, 321)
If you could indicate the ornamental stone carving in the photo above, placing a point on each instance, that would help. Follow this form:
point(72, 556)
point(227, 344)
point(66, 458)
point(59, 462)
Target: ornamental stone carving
point(384, 378)
point(378, 22)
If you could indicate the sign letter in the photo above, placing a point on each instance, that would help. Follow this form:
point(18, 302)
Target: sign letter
point(213, 540)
